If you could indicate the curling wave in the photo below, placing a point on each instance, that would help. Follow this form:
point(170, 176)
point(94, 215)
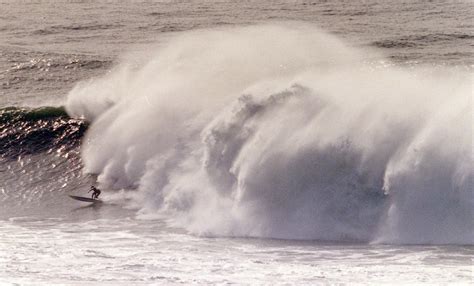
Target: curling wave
point(241, 132)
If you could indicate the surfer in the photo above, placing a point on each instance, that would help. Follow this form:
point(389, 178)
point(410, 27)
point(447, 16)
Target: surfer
point(95, 192)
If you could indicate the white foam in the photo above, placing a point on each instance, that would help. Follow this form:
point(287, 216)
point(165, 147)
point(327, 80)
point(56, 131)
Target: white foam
point(284, 131)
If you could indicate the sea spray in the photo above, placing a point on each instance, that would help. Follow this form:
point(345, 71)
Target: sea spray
point(284, 131)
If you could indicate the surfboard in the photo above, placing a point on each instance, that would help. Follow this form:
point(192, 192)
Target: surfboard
point(84, 199)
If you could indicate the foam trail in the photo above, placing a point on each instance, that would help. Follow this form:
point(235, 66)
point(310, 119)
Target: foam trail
point(284, 131)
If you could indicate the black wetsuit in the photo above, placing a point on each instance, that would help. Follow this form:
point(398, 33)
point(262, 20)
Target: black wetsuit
point(96, 192)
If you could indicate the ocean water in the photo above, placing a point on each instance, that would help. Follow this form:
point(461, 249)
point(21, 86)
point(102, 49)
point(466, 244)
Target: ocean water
point(248, 143)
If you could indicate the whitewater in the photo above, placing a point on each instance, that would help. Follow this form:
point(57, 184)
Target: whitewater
point(241, 133)
point(271, 151)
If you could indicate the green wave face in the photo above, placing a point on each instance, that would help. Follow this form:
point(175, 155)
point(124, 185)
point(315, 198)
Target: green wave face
point(34, 130)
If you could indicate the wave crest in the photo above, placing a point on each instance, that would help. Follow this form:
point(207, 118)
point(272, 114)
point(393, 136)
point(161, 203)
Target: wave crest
point(241, 132)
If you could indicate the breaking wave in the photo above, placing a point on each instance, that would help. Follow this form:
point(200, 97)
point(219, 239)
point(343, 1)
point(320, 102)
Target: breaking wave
point(285, 132)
